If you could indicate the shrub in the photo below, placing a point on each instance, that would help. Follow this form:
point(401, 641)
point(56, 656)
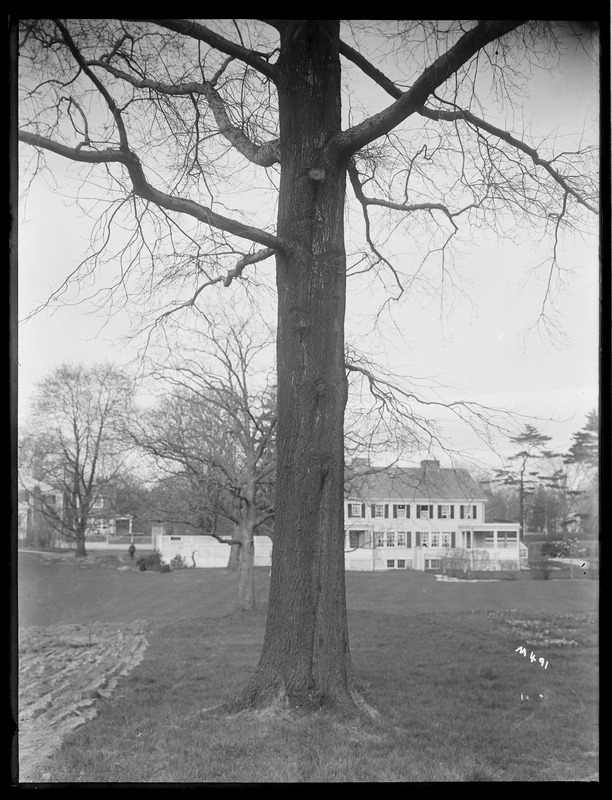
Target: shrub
point(152, 562)
point(554, 550)
point(510, 570)
point(178, 562)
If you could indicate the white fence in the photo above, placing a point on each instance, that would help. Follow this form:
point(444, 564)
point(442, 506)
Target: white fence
point(206, 551)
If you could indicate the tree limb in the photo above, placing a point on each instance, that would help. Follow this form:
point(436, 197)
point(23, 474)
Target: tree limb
point(265, 155)
point(142, 188)
point(461, 114)
point(195, 30)
point(411, 101)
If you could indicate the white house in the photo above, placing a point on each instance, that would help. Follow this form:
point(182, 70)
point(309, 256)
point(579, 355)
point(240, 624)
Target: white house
point(420, 518)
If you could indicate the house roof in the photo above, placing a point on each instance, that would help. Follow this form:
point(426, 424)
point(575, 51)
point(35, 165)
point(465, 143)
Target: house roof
point(427, 482)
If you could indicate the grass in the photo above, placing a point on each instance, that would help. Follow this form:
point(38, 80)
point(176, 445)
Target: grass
point(438, 660)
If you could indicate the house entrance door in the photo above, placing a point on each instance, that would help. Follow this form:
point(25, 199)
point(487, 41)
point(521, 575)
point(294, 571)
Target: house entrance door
point(356, 539)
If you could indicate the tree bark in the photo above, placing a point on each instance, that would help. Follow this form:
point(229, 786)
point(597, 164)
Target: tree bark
point(305, 659)
point(80, 543)
point(234, 557)
point(246, 578)
point(246, 556)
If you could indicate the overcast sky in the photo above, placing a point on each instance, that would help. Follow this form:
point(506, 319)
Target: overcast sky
point(479, 349)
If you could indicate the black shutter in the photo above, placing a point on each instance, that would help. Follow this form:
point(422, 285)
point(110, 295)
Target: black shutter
point(453, 539)
point(461, 512)
point(407, 510)
point(373, 510)
point(439, 512)
point(387, 511)
point(363, 510)
point(473, 512)
point(394, 511)
point(409, 539)
point(350, 510)
point(418, 510)
point(417, 535)
point(430, 512)
point(452, 512)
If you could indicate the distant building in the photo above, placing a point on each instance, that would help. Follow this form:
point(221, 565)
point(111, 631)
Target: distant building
point(38, 503)
point(33, 498)
point(416, 518)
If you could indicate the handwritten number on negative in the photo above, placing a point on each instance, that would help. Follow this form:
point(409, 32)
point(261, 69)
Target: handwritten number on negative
point(532, 657)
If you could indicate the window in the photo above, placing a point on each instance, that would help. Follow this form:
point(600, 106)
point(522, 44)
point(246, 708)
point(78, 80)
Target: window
point(445, 540)
point(489, 541)
point(379, 510)
point(506, 539)
point(432, 564)
point(401, 538)
point(434, 539)
point(390, 539)
point(401, 563)
point(379, 539)
point(400, 512)
point(98, 503)
point(355, 510)
point(446, 512)
point(467, 512)
point(390, 564)
point(423, 539)
point(175, 538)
point(423, 512)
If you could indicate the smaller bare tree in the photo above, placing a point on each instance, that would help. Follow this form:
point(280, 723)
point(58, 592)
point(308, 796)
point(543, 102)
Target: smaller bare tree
point(76, 442)
point(215, 431)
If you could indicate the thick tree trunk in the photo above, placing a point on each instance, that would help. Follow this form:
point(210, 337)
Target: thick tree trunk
point(234, 557)
point(305, 658)
point(246, 557)
point(246, 577)
point(80, 543)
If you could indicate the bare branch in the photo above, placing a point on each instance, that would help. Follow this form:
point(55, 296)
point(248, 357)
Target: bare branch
point(200, 32)
point(514, 142)
point(142, 188)
point(409, 102)
point(463, 114)
point(265, 155)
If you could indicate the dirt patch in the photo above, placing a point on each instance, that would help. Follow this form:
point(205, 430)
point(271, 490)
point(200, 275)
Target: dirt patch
point(65, 673)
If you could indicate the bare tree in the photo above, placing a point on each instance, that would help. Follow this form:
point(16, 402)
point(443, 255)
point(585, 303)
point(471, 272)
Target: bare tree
point(216, 430)
point(192, 126)
point(76, 442)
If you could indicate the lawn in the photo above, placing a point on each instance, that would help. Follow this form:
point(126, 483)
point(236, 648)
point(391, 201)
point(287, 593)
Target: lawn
point(440, 661)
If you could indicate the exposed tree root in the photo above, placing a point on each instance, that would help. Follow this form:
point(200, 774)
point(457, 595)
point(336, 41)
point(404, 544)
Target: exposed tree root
point(345, 704)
